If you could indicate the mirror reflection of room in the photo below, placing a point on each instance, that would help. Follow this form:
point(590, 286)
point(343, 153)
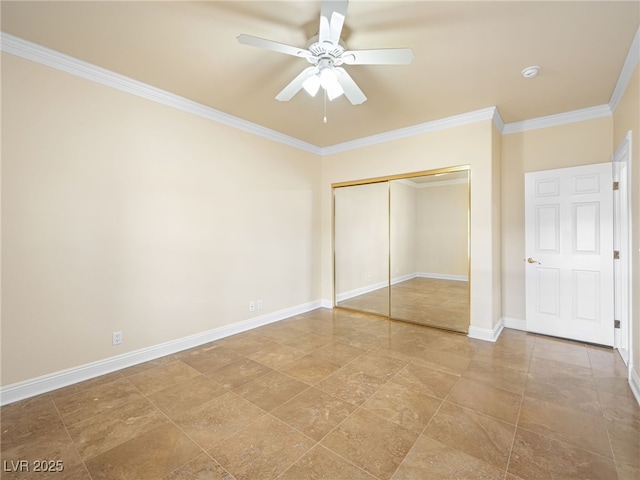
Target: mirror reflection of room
point(361, 228)
point(430, 250)
point(402, 249)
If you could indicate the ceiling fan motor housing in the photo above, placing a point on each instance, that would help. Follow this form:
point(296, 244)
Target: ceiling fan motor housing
point(325, 50)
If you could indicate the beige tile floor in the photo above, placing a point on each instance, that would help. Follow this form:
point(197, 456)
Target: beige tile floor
point(340, 395)
point(427, 301)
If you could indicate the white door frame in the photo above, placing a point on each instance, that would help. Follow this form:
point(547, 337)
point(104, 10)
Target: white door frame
point(622, 243)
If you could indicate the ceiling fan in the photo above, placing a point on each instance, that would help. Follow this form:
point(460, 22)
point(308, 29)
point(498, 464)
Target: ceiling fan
point(326, 53)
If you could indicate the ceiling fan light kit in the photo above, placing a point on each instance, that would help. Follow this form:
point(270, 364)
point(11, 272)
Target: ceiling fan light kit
point(326, 52)
point(311, 85)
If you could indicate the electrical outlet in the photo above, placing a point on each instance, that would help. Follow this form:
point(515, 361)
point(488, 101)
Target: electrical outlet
point(252, 306)
point(259, 304)
point(117, 338)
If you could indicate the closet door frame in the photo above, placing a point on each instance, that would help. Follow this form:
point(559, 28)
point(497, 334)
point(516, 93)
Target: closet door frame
point(388, 179)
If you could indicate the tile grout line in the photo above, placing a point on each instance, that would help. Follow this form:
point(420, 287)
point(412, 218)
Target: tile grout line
point(442, 402)
point(370, 349)
point(73, 443)
point(589, 414)
point(300, 393)
point(317, 443)
point(360, 407)
point(446, 399)
point(315, 385)
point(425, 427)
point(604, 420)
point(285, 423)
point(66, 426)
point(515, 431)
point(170, 420)
point(266, 413)
point(613, 453)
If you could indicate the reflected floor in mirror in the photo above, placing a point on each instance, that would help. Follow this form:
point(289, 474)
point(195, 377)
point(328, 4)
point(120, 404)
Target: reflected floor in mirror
point(427, 301)
point(376, 302)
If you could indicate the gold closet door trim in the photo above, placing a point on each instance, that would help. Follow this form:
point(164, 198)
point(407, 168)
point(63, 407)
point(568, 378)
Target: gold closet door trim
point(334, 186)
point(460, 168)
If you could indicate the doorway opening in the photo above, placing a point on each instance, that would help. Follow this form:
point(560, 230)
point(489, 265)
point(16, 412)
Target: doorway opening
point(622, 248)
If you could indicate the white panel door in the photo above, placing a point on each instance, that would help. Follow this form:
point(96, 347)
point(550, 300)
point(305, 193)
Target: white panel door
point(569, 249)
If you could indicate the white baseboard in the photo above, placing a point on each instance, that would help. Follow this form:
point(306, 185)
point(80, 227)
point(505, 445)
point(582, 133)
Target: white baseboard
point(402, 278)
point(356, 292)
point(373, 287)
point(486, 334)
point(443, 276)
point(53, 381)
point(324, 303)
point(634, 383)
point(514, 323)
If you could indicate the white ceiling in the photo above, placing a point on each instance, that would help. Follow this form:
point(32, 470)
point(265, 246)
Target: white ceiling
point(468, 56)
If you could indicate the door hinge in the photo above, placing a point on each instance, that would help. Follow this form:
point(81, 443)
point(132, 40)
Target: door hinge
point(616, 324)
point(616, 185)
point(616, 255)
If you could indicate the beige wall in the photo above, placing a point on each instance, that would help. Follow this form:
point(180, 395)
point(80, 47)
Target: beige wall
point(123, 214)
point(496, 203)
point(570, 145)
point(402, 232)
point(362, 237)
point(442, 230)
point(627, 118)
point(466, 145)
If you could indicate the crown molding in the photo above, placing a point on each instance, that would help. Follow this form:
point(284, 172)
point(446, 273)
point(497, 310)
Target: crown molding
point(573, 116)
point(475, 116)
point(51, 58)
point(497, 120)
point(630, 64)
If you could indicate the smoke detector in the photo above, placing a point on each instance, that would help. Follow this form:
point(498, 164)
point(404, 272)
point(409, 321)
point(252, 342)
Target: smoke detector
point(531, 71)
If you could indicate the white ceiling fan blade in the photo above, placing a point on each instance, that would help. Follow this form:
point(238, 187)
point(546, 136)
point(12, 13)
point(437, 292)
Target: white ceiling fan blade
point(382, 56)
point(335, 27)
point(295, 86)
point(351, 89)
point(274, 46)
point(332, 16)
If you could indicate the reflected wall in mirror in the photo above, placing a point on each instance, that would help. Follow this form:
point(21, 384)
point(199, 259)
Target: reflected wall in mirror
point(401, 248)
point(361, 247)
point(430, 250)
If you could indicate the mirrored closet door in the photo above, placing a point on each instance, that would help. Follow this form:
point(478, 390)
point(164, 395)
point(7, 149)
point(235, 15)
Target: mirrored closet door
point(361, 247)
point(417, 229)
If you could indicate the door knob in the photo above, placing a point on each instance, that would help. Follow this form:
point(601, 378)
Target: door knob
point(531, 260)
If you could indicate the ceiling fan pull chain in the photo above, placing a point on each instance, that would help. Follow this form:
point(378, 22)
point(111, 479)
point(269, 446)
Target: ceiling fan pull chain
point(325, 105)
